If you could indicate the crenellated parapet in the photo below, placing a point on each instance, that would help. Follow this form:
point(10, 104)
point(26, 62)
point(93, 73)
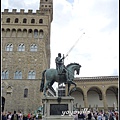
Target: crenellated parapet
point(23, 17)
point(22, 11)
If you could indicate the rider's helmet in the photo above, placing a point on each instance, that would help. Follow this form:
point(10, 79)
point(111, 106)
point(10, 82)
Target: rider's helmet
point(59, 54)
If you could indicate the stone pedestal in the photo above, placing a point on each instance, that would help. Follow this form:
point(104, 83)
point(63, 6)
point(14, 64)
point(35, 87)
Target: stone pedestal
point(57, 108)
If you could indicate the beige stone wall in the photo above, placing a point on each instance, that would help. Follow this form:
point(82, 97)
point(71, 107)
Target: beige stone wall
point(14, 96)
point(17, 33)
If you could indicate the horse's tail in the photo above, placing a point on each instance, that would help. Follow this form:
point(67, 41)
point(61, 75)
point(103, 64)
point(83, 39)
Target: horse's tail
point(42, 81)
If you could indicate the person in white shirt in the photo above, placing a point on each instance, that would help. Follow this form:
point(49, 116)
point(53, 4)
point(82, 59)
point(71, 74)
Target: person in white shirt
point(9, 116)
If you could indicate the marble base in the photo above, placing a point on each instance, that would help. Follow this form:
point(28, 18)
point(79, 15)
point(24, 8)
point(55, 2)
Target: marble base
point(55, 108)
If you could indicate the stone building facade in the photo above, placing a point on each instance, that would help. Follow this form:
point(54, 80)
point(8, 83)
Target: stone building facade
point(100, 92)
point(26, 53)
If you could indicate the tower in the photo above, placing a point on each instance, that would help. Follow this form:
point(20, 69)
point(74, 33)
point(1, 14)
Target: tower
point(47, 7)
point(25, 54)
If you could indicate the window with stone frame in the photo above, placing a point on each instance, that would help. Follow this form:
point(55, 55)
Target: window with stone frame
point(21, 47)
point(8, 33)
point(8, 20)
point(30, 33)
point(33, 21)
point(18, 75)
point(35, 33)
point(41, 21)
point(24, 20)
point(31, 74)
point(9, 47)
point(41, 33)
point(33, 47)
point(16, 20)
point(25, 92)
point(5, 74)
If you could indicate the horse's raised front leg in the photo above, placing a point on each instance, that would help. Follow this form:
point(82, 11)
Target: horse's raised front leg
point(69, 84)
point(74, 84)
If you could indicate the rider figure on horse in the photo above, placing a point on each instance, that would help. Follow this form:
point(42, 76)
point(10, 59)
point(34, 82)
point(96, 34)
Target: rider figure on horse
point(59, 63)
point(60, 67)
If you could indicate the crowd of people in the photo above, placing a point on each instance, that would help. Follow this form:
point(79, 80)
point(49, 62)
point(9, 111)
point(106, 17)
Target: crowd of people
point(96, 115)
point(89, 115)
point(18, 116)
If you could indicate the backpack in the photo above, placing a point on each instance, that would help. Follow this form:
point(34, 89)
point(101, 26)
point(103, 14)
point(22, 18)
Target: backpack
point(15, 117)
point(106, 117)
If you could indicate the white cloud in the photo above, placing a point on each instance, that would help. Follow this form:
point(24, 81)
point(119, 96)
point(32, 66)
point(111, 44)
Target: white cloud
point(4, 4)
point(97, 50)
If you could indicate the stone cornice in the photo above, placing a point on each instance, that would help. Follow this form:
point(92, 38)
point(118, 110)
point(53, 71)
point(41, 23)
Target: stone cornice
point(97, 78)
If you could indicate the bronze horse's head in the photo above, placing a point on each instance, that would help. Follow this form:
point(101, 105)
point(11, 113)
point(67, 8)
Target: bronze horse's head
point(78, 70)
point(77, 67)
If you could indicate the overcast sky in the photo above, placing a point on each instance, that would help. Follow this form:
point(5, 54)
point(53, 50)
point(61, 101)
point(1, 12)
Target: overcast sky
point(98, 49)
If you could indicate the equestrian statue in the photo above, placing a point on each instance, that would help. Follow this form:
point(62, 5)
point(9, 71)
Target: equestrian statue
point(62, 74)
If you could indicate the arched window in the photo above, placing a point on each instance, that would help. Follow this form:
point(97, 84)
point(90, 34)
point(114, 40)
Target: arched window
point(41, 33)
point(33, 21)
point(5, 74)
point(3, 32)
point(9, 47)
point(35, 33)
point(16, 20)
point(18, 75)
point(30, 32)
point(8, 33)
point(24, 33)
point(8, 20)
point(19, 33)
point(31, 75)
point(33, 47)
point(13, 33)
point(25, 92)
point(41, 21)
point(24, 20)
point(21, 47)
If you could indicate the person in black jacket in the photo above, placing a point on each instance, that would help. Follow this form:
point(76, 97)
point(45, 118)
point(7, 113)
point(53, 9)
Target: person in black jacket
point(14, 116)
point(4, 116)
point(81, 116)
point(25, 117)
point(89, 116)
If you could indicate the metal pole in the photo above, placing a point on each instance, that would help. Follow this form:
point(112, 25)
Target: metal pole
point(74, 45)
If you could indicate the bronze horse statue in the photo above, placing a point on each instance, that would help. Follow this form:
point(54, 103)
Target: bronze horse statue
point(51, 76)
